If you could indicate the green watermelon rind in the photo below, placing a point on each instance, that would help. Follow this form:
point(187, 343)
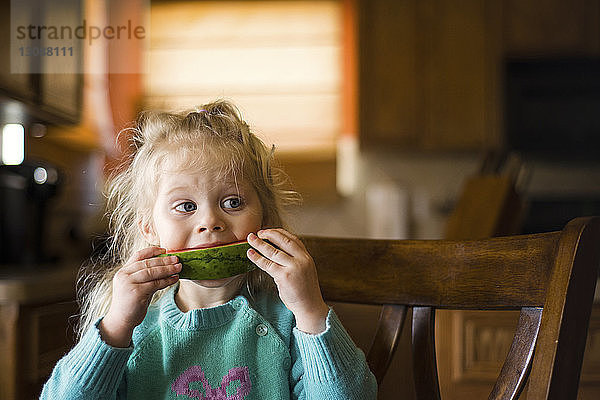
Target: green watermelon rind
point(214, 262)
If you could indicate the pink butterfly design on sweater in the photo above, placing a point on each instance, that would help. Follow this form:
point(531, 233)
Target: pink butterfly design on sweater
point(181, 386)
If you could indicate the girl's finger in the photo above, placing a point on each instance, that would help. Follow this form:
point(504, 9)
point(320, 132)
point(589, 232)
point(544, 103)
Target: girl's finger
point(284, 240)
point(155, 273)
point(159, 284)
point(269, 266)
point(269, 251)
point(291, 236)
point(149, 263)
point(148, 252)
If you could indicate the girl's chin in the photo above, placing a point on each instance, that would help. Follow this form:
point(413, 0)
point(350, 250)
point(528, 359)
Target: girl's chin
point(216, 283)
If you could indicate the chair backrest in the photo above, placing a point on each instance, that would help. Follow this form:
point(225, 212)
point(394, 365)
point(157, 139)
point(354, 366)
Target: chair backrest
point(550, 277)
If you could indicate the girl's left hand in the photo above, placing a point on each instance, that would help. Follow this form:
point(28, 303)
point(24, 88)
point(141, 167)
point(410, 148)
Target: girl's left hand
point(294, 272)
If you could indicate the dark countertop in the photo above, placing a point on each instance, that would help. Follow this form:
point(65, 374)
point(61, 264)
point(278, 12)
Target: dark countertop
point(37, 285)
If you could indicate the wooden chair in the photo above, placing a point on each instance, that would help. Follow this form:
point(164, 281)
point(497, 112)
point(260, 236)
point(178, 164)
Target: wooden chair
point(549, 277)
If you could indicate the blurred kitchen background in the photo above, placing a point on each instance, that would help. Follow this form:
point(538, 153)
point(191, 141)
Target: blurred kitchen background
point(380, 111)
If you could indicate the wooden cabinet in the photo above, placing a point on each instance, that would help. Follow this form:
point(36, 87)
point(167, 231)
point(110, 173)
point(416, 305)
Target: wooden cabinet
point(37, 317)
point(458, 74)
point(428, 74)
point(472, 347)
point(42, 71)
point(551, 28)
point(388, 75)
point(431, 72)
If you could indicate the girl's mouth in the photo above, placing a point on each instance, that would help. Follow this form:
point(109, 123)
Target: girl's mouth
point(207, 246)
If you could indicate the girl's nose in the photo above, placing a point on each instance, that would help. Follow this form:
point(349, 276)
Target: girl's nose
point(212, 228)
point(210, 222)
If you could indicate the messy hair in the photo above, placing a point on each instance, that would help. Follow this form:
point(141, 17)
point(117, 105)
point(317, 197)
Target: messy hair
point(213, 137)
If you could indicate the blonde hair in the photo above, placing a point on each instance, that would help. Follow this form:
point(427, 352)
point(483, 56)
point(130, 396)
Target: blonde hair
point(218, 133)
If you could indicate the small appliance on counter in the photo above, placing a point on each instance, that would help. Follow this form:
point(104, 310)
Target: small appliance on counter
point(25, 191)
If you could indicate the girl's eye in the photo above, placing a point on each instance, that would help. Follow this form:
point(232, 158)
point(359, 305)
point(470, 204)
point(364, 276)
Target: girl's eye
point(232, 203)
point(187, 206)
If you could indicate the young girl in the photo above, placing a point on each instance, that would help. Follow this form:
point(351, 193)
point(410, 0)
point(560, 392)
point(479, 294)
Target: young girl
point(202, 179)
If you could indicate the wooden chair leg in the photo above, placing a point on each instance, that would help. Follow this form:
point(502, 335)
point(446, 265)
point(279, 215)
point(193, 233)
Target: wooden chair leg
point(517, 365)
point(427, 385)
point(385, 341)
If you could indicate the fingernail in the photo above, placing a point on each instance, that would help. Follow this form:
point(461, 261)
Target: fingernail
point(251, 236)
point(173, 259)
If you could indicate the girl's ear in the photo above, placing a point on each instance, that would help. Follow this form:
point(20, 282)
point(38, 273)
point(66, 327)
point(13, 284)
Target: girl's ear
point(147, 230)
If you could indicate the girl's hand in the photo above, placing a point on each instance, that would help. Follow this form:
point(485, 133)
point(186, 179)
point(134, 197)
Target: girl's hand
point(294, 272)
point(133, 287)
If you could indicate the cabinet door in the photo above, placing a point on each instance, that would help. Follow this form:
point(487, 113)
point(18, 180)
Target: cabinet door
point(62, 68)
point(46, 335)
point(15, 69)
point(429, 74)
point(388, 73)
point(551, 27)
point(461, 52)
point(472, 346)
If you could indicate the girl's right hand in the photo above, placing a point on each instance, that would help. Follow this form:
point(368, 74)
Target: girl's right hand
point(133, 287)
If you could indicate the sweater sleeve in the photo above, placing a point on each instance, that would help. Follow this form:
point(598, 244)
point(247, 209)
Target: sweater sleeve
point(91, 370)
point(330, 366)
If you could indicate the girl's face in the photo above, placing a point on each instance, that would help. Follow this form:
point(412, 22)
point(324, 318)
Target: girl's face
point(202, 209)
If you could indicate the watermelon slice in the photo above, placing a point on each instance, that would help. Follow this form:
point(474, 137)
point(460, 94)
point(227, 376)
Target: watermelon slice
point(215, 262)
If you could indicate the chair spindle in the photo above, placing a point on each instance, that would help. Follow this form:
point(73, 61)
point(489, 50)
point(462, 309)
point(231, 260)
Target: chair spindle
point(423, 345)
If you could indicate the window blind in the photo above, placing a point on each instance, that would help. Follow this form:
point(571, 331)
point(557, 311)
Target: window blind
point(279, 61)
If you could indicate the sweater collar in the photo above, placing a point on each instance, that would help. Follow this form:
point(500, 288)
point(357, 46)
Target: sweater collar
point(202, 318)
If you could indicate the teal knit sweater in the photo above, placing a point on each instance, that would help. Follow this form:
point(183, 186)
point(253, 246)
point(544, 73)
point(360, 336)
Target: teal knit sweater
point(240, 350)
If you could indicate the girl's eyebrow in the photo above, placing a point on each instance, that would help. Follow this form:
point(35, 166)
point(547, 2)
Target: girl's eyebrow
point(175, 189)
point(227, 184)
